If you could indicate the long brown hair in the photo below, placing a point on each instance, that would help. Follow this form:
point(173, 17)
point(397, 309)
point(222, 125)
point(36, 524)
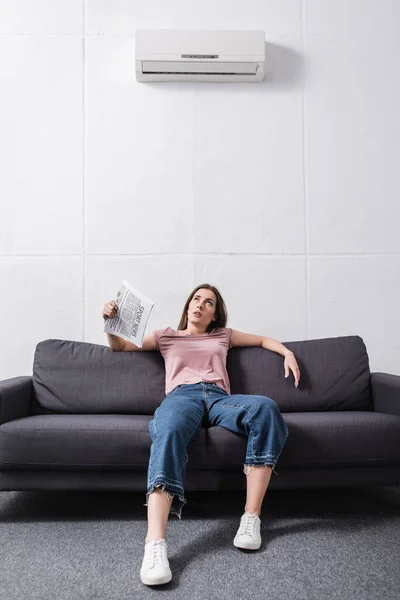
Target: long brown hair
point(221, 315)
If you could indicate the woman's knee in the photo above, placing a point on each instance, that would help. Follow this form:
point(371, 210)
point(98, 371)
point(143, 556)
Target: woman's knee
point(174, 434)
point(266, 405)
point(268, 408)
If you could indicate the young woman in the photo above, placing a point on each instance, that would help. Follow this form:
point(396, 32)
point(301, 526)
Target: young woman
point(198, 392)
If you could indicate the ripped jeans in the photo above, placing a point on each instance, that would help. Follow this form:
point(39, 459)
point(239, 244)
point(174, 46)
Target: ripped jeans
point(179, 417)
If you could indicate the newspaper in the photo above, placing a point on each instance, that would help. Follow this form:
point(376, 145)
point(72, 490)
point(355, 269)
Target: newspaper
point(132, 315)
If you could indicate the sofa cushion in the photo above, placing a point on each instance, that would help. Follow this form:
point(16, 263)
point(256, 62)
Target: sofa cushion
point(334, 375)
point(78, 377)
point(114, 442)
point(118, 442)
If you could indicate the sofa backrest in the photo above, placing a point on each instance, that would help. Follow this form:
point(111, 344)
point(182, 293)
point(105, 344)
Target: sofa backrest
point(79, 377)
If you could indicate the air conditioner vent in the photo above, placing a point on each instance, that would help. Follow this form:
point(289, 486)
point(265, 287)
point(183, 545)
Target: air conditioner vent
point(195, 68)
point(198, 55)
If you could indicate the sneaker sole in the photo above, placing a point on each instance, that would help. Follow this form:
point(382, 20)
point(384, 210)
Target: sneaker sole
point(156, 580)
point(246, 545)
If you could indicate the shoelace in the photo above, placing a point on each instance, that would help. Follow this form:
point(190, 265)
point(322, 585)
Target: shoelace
point(156, 555)
point(248, 524)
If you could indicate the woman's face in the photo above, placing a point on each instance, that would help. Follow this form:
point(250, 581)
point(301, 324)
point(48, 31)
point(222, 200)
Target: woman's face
point(202, 308)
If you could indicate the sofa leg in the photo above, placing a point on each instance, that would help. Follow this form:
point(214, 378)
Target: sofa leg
point(389, 494)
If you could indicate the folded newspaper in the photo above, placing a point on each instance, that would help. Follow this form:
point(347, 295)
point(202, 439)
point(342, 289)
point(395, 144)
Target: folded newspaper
point(133, 312)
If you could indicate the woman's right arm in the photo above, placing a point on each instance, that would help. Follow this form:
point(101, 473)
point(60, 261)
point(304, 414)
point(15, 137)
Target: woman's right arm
point(118, 344)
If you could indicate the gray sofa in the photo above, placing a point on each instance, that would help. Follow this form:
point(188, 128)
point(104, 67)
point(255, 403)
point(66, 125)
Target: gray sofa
point(81, 421)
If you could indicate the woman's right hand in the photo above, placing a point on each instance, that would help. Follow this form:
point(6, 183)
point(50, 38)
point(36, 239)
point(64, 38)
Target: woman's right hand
point(110, 310)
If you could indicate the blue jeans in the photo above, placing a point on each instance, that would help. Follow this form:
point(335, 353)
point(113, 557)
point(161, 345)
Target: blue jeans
point(179, 418)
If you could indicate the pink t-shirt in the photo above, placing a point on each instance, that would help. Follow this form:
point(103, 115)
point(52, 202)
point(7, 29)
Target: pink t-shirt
point(190, 358)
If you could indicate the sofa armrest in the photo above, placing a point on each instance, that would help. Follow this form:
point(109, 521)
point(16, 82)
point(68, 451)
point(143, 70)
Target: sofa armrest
point(386, 393)
point(15, 397)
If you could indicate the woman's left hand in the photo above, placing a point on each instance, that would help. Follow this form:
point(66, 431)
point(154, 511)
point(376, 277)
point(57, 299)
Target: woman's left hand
point(291, 363)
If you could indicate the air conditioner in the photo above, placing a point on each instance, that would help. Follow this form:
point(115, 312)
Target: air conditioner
point(199, 55)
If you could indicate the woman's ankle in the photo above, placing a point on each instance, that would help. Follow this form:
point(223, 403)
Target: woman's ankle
point(154, 539)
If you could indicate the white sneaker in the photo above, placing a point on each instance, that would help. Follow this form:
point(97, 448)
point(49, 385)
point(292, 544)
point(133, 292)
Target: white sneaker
point(155, 566)
point(248, 535)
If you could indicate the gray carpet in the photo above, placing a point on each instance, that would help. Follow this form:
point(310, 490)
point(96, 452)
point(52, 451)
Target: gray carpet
point(317, 544)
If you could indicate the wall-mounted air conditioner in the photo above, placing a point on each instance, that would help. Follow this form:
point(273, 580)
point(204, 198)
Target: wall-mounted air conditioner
point(199, 55)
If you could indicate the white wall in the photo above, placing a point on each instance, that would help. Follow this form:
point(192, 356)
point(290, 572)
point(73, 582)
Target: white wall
point(282, 194)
